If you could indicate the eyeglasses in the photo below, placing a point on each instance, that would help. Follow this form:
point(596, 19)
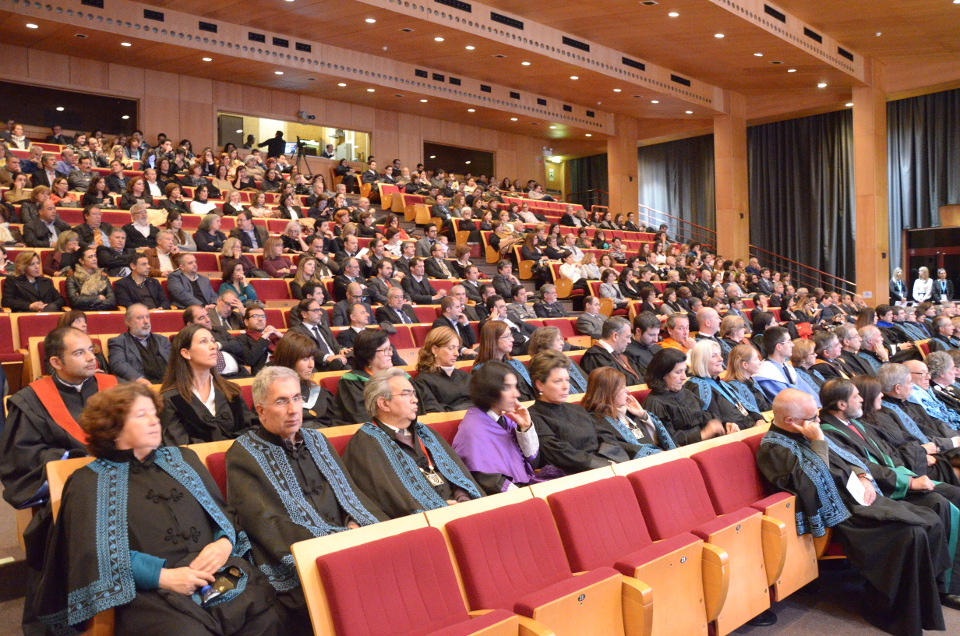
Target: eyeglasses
point(922, 374)
point(313, 310)
point(257, 316)
point(406, 393)
point(282, 402)
point(388, 351)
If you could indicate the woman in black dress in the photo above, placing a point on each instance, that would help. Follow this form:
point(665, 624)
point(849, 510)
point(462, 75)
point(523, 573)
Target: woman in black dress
point(372, 352)
point(28, 289)
point(440, 386)
point(296, 351)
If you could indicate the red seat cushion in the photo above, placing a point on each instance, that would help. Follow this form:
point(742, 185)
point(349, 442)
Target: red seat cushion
point(165, 321)
point(731, 475)
point(508, 553)
point(599, 522)
point(704, 530)
point(529, 603)
point(426, 313)
point(628, 563)
point(246, 391)
point(446, 429)
point(271, 288)
point(673, 497)
point(754, 443)
point(216, 464)
point(473, 625)
point(403, 584)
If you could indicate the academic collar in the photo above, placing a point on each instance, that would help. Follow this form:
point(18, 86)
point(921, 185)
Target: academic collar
point(605, 345)
point(273, 438)
point(65, 384)
point(127, 457)
point(392, 428)
point(883, 323)
point(551, 405)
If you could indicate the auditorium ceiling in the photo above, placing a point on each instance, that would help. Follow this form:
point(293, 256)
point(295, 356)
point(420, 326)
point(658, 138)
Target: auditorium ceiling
point(523, 65)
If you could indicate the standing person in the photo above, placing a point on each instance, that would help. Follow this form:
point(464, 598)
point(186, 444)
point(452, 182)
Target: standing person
point(275, 146)
point(923, 286)
point(898, 288)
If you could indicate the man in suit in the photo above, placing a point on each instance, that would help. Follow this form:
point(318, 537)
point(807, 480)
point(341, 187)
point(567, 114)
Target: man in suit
point(10, 171)
point(381, 284)
point(227, 313)
point(521, 331)
point(460, 293)
point(341, 309)
point(230, 352)
point(260, 339)
point(452, 316)
point(116, 180)
point(590, 322)
point(187, 288)
point(79, 179)
point(942, 288)
point(471, 284)
point(349, 273)
point(519, 308)
point(396, 311)
point(139, 355)
point(643, 346)
point(408, 250)
point(139, 288)
point(418, 287)
point(425, 245)
point(608, 351)
point(93, 231)
point(765, 283)
point(436, 266)
point(165, 257)
point(370, 175)
point(504, 280)
point(252, 237)
point(313, 324)
point(44, 231)
point(57, 137)
point(140, 233)
point(47, 173)
point(351, 249)
point(549, 306)
point(114, 258)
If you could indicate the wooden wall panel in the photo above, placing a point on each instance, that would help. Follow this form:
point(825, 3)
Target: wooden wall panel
point(363, 118)
point(125, 80)
point(386, 145)
point(197, 123)
point(257, 100)
point(89, 73)
point(284, 105)
point(227, 96)
point(315, 106)
point(196, 89)
point(50, 68)
point(338, 114)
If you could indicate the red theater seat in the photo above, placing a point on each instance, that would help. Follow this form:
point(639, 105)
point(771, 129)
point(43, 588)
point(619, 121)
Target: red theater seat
point(216, 464)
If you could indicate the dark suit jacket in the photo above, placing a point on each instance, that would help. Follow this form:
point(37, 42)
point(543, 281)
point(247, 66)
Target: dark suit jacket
point(86, 232)
point(341, 315)
point(223, 325)
point(255, 352)
point(402, 265)
point(136, 240)
point(467, 337)
point(126, 293)
point(378, 289)
point(207, 242)
point(432, 269)
point(340, 283)
point(937, 292)
point(125, 360)
point(473, 291)
point(549, 310)
point(39, 178)
point(387, 314)
point(115, 185)
point(421, 293)
point(18, 294)
point(111, 261)
point(597, 356)
point(261, 233)
point(331, 343)
point(502, 285)
point(61, 139)
point(36, 234)
point(441, 211)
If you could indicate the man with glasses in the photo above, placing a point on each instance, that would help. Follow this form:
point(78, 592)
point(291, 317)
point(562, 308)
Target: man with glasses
point(140, 233)
point(396, 311)
point(341, 310)
point(280, 465)
point(313, 324)
point(401, 463)
point(904, 389)
point(259, 340)
point(777, 373)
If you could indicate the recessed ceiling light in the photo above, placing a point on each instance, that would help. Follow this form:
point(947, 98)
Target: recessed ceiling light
point(467, 162)
point(849, 104)
point(471, 110)
point(278, 72)
point(588, 135)
point(125, 117)
point(341, 84)
point(673, 14)
point(553, 127)
point(524, 63)
point(59, 109)
point(654, 101)
point(879, 33)
point(371, 90)
point(791, 70)
point(207, 59)
point(289, 0)
point(239, 131)
point(513, 119)
point(719, 36)
point(616, 90)
point(423, 101)
point(822, 85)
point(574, 77)
point(470, 47)
point(433, 156)
point(31, 25)
point(125, 44)
point(689, 112)
point(758, 55)
point(371, 20)
point(438, 39)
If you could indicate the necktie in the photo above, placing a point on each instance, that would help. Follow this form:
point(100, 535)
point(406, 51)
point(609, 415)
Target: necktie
point(388, 283)
point(403, 316)
point(221, 361)
point(443, 268)
point(324, 349)
point(502, 421)
point(97, 237)
point(854, 429)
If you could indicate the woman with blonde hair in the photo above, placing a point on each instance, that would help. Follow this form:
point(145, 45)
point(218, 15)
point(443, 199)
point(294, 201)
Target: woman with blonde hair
point(744, 362)
point(232, 250)
point(441, 386)
point(307, 272)
point(65, 256)
point(732, 332)
point(803, 358)
point(274, 262)
point(923, 286)
point(613, 408)
point(714, 396)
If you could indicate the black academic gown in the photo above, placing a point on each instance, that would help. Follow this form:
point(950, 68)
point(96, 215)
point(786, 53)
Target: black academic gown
point(909, 450)
point(442, 393)
point(935, 430)
point(320, 408)
point(191, 423)
point(898, 547)
point(163, 510)
point(680, 412)
point(278, 513)
point(721, 407)
point(570, 441)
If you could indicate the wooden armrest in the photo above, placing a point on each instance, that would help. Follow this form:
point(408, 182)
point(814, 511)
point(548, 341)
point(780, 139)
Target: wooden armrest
point(821, 543)
point(564, 287)
point(774, 547)
point(462, 236)
point(102, 624)
point(526, 270)
point(530, 627)
point(716, 579)
point(637, 607)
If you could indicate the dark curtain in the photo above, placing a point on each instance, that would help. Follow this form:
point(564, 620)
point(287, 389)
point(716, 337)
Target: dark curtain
point(923, 143)
point(802, 191)
point(677, 178)
point(588, 173)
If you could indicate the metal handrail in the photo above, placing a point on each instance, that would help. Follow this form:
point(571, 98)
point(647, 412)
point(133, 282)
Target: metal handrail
point(803, 275)
point(676, 225)
point(595, 196)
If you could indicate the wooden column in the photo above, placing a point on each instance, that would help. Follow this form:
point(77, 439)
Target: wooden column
point(623, 166)
point(870, 183)
point(732, 194)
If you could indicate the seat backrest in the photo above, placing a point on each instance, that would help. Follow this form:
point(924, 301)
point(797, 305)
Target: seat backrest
point(753, 442)
point(246, 392)
point(447, 429)
point(508, 552)
point(403, 584)
point(271, 288)
point(599, 522)
point(426, 313)
point(166, 321)
point(673, 497)
point(731, 475)
point(217, 465)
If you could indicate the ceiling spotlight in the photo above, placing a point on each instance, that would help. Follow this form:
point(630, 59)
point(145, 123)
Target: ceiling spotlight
point(553, 127)
point(822, 85)
point(278, 72)
point(371, 90)
point(207, 59)
point(125, 117)
point(524, 63)
point(59, 109)
point(689, 112)
point(423, 101)
point(719, 36)
point(31, 25)
point(588, 135)
point(673, 14)
point(125, 44)
point(513, 119)
point(758, 55)
point(371, 20)
point(879, 33)
point(433, 156)
point(849, 104)
point(471, 110)
point(470, 47)
point(239, 131)
point(791, 70)
point(616, 90)
point(341, 84)
point(467, 162)
point(438, 39)
point(654, 101)
point(574, 77)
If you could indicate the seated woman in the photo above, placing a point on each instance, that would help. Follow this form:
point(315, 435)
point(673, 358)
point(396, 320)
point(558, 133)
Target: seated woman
point(610, 289)
point(670, 304)
point(78, 320)
point(235, 280)
point(198, 404)
point(600, 240)
point(233, 250)
point(288, 207)
point(679, 410)
point(803, 358)
point(372, 352)
point(307, 272)
point(61, 196)
point(496, 439)
point(744, 363)
point(613, 408)
point(573, 271)
point(544, 338)
point(164, 534)
point(173, 199)
point(234, 204)
point(27, 289)
point(568, 438)
point(716, 397)
point(296, 351)
point(89, 288)
point(731, 334)
point(136, 193)
point(496, 343)
point(648, 296)
point(201, 203)
point(441, 387)
point(293, 239)
point(65, 256)
point(208, 236)
point(181, 239)
point(28, 208)
point(97, 194)
point(588, 266)
point(274, 262)
point(629, 283)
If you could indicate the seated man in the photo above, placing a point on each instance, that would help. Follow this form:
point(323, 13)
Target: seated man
point(943, 335)
point(42, 426)
point(187, 288)
point(260, 339)
point(93, 231)
point(140, 233)
point(341, 310)
point(401, 464)
point(139, 355)
point(678, 333)
point(381, 284)
point(549, 306)
point(519, 308)
point(521, 331)
point(114, 258)
point(828, 350)
point(850, 345)
point(608, 350)
point(165, 257)
point(590, 322)
point(451, 315)
point(396, 311)
point(643, 346)
point(79, 179)
point(349, 273)
point(252, 237)
point(504, 280)
point(418, 287)
point(424, 247)
point(873, 354)
point(288, 484)
point(313, 324)
point(436, 266)
point(43, 232)
point(777, 373)
point(140, 287)
point(879, 535)
point(227, 313)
